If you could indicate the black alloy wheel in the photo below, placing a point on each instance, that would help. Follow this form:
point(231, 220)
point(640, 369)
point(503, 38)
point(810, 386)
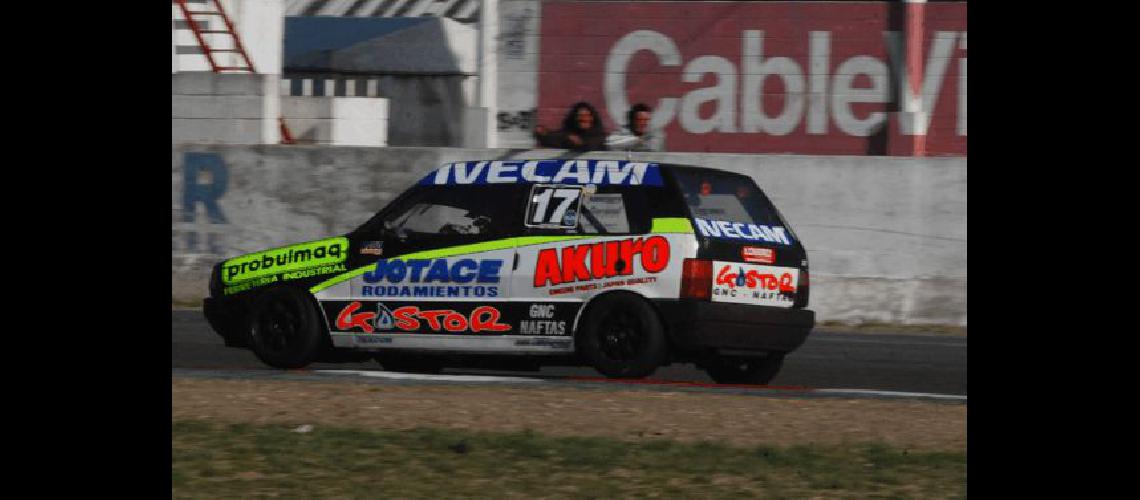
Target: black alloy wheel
point(622, 336)
point(285, 331)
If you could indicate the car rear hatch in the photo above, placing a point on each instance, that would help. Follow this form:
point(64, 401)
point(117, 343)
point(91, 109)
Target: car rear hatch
point(748, 253)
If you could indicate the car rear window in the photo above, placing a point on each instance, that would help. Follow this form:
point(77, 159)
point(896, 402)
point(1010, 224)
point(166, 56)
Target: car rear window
point(715, 196)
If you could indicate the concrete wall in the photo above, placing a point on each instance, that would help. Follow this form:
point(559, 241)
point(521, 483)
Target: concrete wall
point(886, 236)
point(228, 108)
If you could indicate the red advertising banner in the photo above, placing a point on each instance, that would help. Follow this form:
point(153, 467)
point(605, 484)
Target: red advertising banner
point(832, 78)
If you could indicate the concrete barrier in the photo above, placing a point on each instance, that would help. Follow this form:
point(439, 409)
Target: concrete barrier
point(886, 236)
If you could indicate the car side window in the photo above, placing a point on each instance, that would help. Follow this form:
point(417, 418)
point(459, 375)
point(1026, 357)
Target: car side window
point(604, 213)
point(475, 212)
point(610, 210)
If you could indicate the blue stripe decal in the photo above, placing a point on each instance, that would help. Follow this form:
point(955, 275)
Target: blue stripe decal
point(601, 172)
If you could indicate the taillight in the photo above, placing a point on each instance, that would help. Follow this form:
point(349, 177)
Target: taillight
point(696, 279)
point(804, 290)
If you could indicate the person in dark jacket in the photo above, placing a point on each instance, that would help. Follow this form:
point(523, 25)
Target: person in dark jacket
point(636, 135)
point(581, 131)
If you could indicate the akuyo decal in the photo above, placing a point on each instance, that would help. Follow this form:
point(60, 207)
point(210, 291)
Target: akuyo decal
point(603, 172)
point(463, 278)
point(413, 319)
point(600, 260)
point(742, 231)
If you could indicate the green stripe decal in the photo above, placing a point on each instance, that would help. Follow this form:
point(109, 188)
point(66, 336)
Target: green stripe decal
point(660, 225)
point(450, 251)
point(672, 225)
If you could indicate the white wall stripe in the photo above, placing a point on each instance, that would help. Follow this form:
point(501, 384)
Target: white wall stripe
point(394, 7)
point(366, 9)
point(467, 9)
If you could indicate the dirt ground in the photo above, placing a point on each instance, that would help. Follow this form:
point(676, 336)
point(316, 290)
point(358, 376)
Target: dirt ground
point(631, 415)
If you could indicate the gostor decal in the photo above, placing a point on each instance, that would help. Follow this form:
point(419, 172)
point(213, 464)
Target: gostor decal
point(462, 278)
point(753, 284)
point(742, 231)
point(626, 173)
point(600, 260)
point(292, 262)
point(410, 319)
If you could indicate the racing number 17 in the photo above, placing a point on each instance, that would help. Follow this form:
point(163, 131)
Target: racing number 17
point(564, 214)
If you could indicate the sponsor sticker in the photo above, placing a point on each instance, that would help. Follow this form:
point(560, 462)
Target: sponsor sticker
point(742, 231)
point(595, 261)
point(754, 284)
point(605, 172)
point(544, 342)
point(372, 248)
point(413, 319)
point(325, 256)
point(420, 278)
point(758, 255)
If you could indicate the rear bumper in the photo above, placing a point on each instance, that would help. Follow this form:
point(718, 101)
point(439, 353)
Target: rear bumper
point(699, 326)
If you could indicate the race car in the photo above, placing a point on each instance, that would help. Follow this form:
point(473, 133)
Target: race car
point(620, 265)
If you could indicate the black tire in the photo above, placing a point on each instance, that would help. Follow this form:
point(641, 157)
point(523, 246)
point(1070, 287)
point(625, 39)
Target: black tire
point(622, 337)
point(410, 363)
point(745, 370)
point(285, 329)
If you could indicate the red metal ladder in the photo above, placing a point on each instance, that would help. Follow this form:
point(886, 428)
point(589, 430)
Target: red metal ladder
point(286, 137)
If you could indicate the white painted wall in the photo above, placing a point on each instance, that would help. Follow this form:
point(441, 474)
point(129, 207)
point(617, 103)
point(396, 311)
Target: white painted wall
point(337, 121)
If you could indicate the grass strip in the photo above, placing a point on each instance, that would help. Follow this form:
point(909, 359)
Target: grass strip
point(211, 460)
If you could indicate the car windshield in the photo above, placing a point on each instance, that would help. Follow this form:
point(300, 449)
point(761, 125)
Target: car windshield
point(716, 196)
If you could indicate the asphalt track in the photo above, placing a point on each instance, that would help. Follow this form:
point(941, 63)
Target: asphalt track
point(882, 362)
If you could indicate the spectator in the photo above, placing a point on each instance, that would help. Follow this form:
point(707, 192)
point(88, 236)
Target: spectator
point(636, 136)
point(581, 131)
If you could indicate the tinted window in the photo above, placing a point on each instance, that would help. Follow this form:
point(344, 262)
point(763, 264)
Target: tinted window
point(480, 212)
point(726, 197)
point(604, 213)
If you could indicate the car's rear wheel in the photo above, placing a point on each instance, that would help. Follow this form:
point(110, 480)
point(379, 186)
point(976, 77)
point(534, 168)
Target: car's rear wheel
point(745, 370)
point(622, 337)
point(285, 330)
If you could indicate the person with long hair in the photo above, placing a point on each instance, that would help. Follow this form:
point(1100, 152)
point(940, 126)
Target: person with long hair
point(581, 131)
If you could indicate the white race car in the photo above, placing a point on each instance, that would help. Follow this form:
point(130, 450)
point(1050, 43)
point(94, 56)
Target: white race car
point(623, 266)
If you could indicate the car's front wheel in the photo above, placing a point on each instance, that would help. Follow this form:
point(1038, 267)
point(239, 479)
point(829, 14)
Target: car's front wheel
point(745, 370)
point(622, 337)
point(285, 330)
